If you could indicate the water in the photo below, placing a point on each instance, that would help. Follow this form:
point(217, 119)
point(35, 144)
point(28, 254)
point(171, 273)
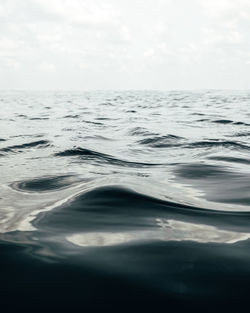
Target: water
point(129, 201)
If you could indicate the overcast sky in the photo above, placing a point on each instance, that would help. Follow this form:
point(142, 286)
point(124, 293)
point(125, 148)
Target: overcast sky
point(125, 44)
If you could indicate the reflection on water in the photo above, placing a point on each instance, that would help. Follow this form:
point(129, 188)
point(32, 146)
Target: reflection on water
point(170, 230)
point(104, 239)
point(177, 230)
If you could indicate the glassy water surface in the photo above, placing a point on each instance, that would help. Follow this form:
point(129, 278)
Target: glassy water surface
point(125, 200)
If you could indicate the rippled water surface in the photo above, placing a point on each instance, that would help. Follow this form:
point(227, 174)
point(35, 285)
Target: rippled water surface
point(125, 200)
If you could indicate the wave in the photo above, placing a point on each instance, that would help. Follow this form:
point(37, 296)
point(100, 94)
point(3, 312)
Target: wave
point(38, 144)
point(230, 159)
point(141, 131)
point(171, 141)
point(87, 154)
point(131, 111)
point(98, 137)
point(105, 119)
point(116, 208)
point(38, 118)
point(203, 120)
point(223, 121)
point(214, 144)
point(241, 123)
point(72, 116)
point(108, 103)
point(93, 123)
point(200, 170)
point(244, 134)
point(161, 141)
point(199, 114)
point(218, 184)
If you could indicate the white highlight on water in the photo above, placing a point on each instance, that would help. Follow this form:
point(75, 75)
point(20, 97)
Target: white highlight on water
point(167, 230)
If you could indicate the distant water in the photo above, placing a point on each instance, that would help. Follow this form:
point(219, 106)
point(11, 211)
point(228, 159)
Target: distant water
point(125, 201)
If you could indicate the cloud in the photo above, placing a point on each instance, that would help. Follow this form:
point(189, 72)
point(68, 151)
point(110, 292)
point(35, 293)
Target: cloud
point(88, 13)
point(215, 36)
point(133, 44)
point(47, 67)
point(226, 9)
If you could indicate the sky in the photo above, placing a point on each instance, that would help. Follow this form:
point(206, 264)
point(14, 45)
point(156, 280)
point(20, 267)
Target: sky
point(124, 44)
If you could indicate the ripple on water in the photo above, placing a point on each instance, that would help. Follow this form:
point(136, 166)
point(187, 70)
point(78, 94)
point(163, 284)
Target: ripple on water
point(48, 183)
point(28, 145)
point(167, 141)
point(88, 154)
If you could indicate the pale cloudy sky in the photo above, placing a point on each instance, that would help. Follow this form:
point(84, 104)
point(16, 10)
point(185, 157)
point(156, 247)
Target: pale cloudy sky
point(125, 44)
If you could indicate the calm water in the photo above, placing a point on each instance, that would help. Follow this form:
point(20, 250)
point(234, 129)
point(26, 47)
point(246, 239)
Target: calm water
point(125, 201)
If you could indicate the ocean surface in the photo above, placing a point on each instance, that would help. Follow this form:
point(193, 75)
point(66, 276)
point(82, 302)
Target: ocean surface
point(127, 201)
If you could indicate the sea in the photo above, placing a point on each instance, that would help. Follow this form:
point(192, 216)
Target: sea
point(125, 201)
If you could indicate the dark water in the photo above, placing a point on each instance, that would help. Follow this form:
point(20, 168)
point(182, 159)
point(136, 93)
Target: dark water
point(125, 201)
